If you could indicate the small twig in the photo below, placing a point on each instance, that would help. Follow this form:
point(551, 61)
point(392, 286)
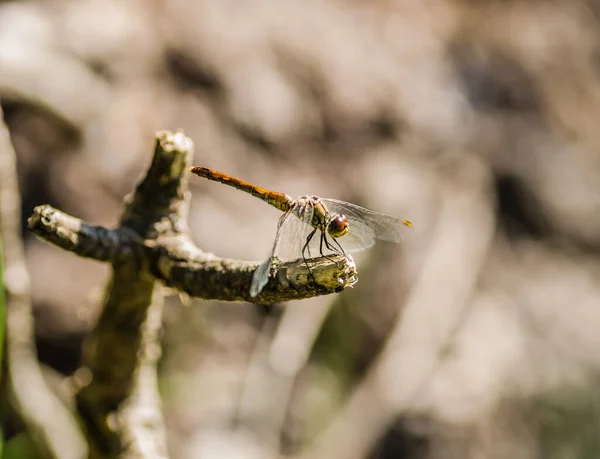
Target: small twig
point(72, 234)
point(51, 425)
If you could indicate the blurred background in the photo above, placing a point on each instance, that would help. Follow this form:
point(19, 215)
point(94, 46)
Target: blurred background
point(477, 120)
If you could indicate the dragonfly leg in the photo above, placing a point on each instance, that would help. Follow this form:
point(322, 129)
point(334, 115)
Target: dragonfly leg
point(340, 246)
point(327, 244)
point(304, 249)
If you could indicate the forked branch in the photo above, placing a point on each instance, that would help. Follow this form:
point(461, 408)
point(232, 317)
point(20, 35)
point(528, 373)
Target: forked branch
point(118, 401)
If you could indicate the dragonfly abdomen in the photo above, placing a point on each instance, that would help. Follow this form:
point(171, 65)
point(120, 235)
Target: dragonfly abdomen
point(279, 200)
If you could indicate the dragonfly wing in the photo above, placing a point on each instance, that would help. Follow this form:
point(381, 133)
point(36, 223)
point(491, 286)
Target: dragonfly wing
point(358, 238)
point(293, 230)
point(367, 225)
point(260, 278)
point(294, 233)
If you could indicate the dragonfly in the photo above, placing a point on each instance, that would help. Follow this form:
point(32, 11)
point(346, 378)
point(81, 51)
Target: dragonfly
point(303, 217)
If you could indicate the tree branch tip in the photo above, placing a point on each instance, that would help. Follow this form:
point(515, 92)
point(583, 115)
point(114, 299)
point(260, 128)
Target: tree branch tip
point(41, 216)
point(177, 141)
point(325, 274)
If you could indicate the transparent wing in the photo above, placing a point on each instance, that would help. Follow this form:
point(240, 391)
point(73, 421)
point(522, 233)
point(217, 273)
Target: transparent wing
point(367, 225)
point(293, 231)
point(260, 277)
point(261, 273)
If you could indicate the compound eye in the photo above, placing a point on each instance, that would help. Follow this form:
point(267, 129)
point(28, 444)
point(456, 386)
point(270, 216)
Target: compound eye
point(338, 226)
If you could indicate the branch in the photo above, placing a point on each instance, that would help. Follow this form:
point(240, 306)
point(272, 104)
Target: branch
point(178, 263)
point(72, 234)
point(47, 420)
point(229, 280)
point(119, 402)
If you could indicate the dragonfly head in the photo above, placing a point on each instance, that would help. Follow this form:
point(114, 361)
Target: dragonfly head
point(338, 226)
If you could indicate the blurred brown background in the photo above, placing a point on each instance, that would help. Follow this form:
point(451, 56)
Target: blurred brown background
point(477, 120)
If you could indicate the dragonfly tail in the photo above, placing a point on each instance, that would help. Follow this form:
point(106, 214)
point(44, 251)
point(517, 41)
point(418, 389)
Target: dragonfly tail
point(279, 200)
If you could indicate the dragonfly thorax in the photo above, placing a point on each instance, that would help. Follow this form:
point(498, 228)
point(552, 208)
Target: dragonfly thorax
point(335, 224)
